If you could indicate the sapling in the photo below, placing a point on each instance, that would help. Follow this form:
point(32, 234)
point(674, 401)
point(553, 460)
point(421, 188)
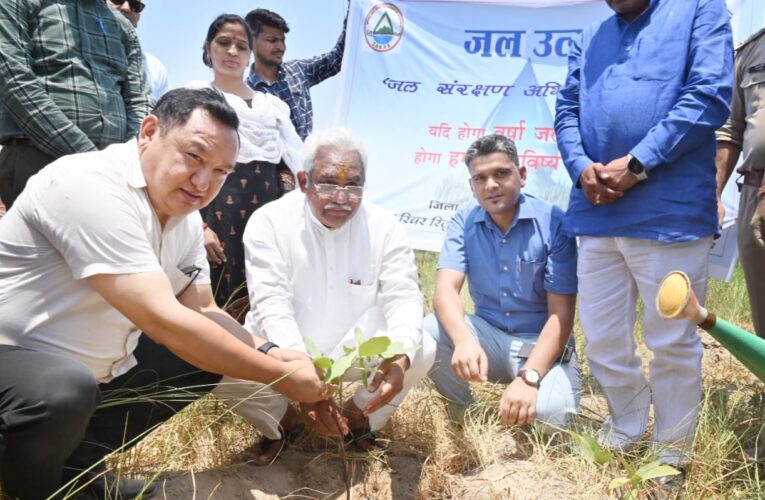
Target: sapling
point(364, 355)
point(596, 454)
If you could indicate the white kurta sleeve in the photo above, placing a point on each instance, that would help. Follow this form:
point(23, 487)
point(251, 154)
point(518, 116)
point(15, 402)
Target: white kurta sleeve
point(400, 296)
point(269, 284)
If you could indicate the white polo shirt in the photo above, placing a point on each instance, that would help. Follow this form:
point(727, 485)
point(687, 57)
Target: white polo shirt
point(84, 215)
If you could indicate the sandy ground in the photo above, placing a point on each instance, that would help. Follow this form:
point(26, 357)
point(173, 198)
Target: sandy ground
point(299, 474)
point(305, 473)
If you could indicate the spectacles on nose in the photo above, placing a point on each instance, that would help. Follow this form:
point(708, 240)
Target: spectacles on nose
point(329, 191)
point(135, 5)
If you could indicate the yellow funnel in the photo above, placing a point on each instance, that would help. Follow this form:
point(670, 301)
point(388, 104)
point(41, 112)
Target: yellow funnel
point(676, 300)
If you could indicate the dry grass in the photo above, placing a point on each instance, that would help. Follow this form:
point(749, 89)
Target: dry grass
point(432, 457)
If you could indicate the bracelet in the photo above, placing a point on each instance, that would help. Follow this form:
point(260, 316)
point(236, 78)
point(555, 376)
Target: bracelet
point(761, 192)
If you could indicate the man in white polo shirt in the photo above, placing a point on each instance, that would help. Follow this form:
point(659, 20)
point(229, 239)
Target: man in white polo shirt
point(100, 247)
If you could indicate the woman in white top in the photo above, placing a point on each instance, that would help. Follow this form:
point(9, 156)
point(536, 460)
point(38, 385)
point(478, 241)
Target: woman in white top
point(269, 154)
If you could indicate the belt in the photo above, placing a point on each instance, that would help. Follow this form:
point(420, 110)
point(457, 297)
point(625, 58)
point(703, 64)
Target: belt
point(15, 141)
point(749, 178)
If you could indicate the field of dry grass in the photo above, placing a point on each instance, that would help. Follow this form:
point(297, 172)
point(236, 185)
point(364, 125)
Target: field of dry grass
point(198, 454)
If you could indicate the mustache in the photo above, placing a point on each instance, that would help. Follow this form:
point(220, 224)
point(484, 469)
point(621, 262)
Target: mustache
point(337, 206)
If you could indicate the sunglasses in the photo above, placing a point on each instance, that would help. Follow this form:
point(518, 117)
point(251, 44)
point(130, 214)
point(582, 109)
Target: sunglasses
point(135, 5)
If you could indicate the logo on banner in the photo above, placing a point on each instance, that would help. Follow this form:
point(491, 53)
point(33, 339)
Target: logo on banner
point(384, 27)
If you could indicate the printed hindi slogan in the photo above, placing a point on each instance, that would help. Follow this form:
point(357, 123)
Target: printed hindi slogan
point(440, 75)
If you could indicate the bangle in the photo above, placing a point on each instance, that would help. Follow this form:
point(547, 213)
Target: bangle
point(761, 192)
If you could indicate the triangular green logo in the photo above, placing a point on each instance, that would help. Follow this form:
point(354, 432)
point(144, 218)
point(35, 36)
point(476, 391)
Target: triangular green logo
point(384, 25)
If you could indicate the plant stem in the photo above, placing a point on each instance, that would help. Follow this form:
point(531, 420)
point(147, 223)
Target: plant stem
point(341, 445)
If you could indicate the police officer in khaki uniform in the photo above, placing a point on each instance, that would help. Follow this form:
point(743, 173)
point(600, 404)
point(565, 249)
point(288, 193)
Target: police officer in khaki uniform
point(744, 132)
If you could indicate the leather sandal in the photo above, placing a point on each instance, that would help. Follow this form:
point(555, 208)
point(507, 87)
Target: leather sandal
point(288, 437)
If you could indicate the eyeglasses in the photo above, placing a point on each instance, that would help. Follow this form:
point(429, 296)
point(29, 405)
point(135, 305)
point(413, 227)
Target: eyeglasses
point(135, 5)
point(330, 190)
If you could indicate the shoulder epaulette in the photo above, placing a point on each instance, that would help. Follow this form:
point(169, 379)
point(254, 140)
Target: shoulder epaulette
point(750, 39)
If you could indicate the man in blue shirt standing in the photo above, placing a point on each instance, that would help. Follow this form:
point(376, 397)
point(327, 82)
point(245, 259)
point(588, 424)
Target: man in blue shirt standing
point(522, 274)
point(645, 92)
point(290, 81)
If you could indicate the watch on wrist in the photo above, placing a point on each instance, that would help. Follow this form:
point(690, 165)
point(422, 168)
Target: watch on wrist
point(530, 376)
point(636, 168)
point(267, 346)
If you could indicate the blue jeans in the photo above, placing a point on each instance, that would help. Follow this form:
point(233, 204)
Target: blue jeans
point(558, 397)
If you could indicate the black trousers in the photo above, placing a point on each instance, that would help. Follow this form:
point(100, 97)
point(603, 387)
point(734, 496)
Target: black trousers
point(19, 162)
point(51, 424)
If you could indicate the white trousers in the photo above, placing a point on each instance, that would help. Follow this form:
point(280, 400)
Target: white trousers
point(264, 407)
point(613, 273)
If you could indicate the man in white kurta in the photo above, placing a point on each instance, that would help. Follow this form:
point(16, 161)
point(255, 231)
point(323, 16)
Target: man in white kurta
point(320, 263)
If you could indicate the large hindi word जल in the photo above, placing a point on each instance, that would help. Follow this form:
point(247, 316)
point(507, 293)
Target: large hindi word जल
point(510, 43)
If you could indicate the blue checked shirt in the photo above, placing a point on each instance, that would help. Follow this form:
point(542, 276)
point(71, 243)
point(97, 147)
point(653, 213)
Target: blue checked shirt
point(509, 274)
point(656, 88)
point(295, 79)
point(71, 75)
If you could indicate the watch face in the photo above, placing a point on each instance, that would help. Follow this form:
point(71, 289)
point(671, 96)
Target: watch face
point(635, 166)
point(531, 376)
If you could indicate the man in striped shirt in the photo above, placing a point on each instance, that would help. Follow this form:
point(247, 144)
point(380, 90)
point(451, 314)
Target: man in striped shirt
point(71, 81)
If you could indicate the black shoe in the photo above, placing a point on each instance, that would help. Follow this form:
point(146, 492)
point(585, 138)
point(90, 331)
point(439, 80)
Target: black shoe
point(108, 486)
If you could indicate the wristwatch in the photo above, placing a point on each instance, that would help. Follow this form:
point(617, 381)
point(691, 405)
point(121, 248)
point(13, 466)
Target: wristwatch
point(636, 168)
point(530, 376)
point(267, 346)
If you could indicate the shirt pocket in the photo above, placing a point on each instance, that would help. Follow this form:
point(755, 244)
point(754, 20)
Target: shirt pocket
point(362, 295)
point(659, 58)
point(531, 279)
point(753, 86)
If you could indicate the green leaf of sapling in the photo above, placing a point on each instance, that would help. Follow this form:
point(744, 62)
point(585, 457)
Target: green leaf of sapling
point(655, 469)
point(348, 349)
point(358, 333)
point(592, 451)
point(374, 346)
point(618, 482)
point(323, 362)
point(312, 348)
point(340, 366)
point(397, 348)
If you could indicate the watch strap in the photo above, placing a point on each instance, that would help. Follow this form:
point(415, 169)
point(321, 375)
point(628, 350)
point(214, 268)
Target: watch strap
point(522, 373)
point(267, 346)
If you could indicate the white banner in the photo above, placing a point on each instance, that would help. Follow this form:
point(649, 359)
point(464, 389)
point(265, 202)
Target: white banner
point(424, 79)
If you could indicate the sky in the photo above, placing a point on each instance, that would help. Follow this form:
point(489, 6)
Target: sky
point(174, 31)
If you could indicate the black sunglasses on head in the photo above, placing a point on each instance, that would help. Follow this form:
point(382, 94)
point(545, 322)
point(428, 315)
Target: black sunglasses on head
point(135, 5)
